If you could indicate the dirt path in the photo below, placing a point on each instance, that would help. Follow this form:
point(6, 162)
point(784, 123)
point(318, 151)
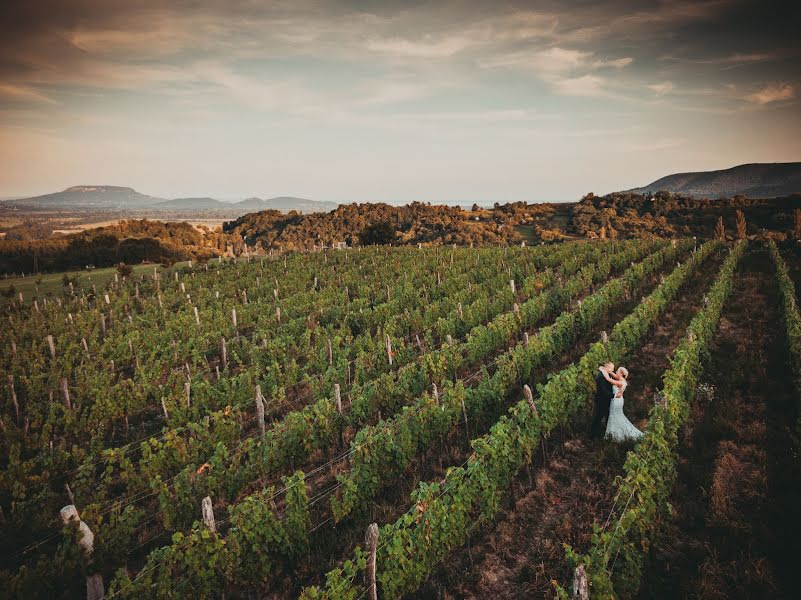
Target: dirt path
point(736, 531)
point(519, 554)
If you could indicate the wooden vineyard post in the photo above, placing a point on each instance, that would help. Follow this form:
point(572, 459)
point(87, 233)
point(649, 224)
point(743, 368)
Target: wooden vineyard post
point(466, 428)
point(188, 392)
point(223, 353)
point(529, 397)
point(581, 586)
point(233, 317)
point(208, 514)
point(13, 395)
point(197, 316)
point(95, 589)
point(330, 352)
point(164, 408)
point(516, 310)
point(66, 391)
point(260, 410)
point(512, 286)
point(371, 547)
point(51, 344)
point(525, 338)
point(338, 401)
point(389, 348)
point(435, 395)
point(134, 354)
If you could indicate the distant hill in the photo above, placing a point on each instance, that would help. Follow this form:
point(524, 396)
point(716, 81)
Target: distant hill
point(108, 197)
point(285, 204)
point(91, 196)
point(192, 204)
point(756, 180)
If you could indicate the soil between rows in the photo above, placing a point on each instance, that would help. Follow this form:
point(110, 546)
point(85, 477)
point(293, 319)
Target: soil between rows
point(736, 532)
point(521, 553)
point(333, 545)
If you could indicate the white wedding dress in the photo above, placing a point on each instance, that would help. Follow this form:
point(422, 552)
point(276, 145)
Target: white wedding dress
point(618, 427)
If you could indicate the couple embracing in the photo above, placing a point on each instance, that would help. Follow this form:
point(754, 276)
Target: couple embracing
point(609, 387)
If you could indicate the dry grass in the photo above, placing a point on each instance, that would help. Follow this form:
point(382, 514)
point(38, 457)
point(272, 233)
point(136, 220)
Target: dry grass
point(739, 481)
point(747, 577)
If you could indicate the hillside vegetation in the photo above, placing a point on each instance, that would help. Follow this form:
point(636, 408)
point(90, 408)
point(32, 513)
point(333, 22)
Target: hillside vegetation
point(757, 180)
point(131, 241)
point(618, 215)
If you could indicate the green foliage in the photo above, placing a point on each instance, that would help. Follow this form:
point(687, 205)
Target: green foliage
point(792, 321)
point(616, 559)
point(444, 513)
point(377, 234)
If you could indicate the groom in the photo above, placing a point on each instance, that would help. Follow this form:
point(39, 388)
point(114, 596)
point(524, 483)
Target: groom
point(603, 397)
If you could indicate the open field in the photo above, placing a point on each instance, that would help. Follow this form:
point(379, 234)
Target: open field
point(51, 285)
point(234, 429)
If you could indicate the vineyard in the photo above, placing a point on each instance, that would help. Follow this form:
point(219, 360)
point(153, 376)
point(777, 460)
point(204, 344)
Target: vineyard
point(383, 422)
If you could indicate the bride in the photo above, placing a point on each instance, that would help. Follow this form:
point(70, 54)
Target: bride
point(618, 427)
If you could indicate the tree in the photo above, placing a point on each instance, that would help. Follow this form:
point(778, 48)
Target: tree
point(379, 233)
point(124, 270)
point(797, 223)
point(741, 225)
point(66, 279)
point(476, 208)
point(720, 229)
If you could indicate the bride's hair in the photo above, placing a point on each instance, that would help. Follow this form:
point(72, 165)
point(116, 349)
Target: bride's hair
point(624, 371)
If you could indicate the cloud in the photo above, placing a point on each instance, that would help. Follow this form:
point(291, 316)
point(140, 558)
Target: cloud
point(394, 92)
point(586, 85)
point(20, 93)
point(553, 60)
point(660, 89)
point(776, 92)
point(428, 47)
point(617, 63)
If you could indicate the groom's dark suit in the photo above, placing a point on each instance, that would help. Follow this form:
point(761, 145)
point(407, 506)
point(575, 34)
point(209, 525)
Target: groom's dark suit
point(603, 397)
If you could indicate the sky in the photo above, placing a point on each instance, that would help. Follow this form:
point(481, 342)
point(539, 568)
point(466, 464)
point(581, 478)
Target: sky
point(353, 101)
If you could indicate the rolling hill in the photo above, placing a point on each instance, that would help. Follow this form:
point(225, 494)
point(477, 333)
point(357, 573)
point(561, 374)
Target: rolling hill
point(110, 197)
point(91, 196)
point(192, 204)
point(285, 204)
point(755, 180)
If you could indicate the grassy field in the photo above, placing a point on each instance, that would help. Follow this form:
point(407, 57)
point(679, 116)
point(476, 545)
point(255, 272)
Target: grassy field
point(51, 285)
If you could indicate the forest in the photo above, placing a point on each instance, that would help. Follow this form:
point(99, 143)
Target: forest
point(623, 216)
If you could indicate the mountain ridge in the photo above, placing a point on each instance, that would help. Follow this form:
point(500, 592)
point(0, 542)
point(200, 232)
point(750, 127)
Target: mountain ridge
point(754, 180)
point(127, 198)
